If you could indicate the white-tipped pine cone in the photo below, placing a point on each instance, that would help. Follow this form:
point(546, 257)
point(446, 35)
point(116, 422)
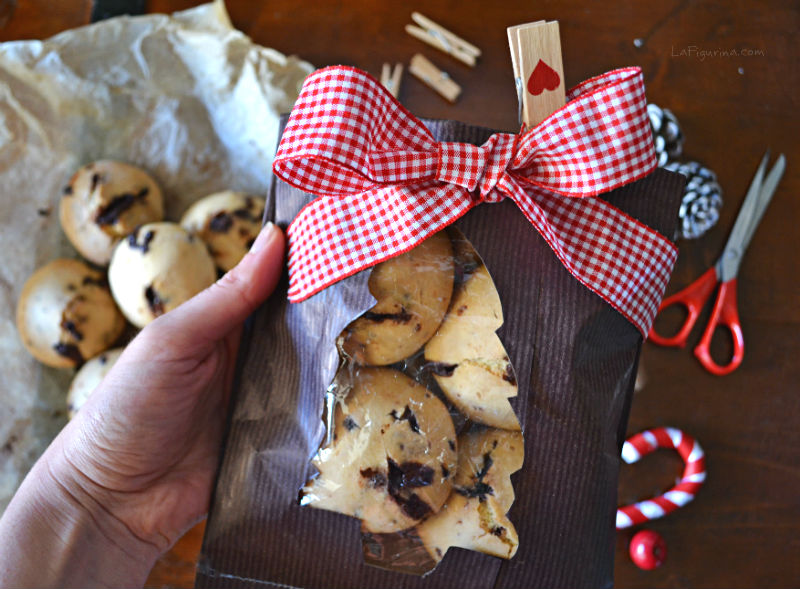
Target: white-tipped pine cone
point(702, 199)
point(667, 134)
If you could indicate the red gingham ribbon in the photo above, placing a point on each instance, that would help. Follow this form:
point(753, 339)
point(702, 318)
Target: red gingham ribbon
point(694, 474)
point(385, 184)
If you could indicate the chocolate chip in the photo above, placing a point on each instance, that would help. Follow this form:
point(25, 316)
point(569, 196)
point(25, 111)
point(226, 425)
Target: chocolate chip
point(401, 317)
point(471, 264)
point(70, 327)
point(349, 423)
point(487, 464)
point(154, 301)
point(498, 531)
point(414, 507)
point(67, 190)
point(464, 270)
point(408, 415)
point(133, 240)
point(96, 179)
point(409, 474)
point(220, 222)
point(110, 214)
point(9, 445)
point(243, 214)
point(70, 351)
point(440, 368)
point(375, 478)
point(508, 374)
point(91, 281)
point(479, 489)
point(404, 477)
point(401, 478)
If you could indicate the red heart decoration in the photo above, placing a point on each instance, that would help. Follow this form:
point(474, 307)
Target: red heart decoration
point(543, 78)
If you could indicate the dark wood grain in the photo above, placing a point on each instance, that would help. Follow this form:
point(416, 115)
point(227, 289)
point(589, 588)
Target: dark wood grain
point(743, 528)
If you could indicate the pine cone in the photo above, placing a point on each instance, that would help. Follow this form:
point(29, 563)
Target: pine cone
point(667, 134)
point(702, 199)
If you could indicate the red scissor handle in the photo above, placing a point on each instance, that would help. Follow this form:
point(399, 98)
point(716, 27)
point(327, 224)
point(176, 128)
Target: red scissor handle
point(724, 314)
point(693, 297)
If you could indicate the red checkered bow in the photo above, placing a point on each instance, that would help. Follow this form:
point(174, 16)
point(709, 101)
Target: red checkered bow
point(385, 184)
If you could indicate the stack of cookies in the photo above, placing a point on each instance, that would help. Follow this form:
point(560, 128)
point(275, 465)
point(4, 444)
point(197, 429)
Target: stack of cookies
point(71, 312)
point(422, 439)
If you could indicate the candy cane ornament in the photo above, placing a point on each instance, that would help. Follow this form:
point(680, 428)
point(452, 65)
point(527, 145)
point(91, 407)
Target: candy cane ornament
point(694, 474)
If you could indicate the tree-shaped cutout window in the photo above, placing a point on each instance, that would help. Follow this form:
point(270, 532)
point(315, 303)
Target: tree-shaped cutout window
point(422, 439)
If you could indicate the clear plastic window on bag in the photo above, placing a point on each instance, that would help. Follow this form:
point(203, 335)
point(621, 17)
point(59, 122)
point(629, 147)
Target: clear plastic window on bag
point(421, 438)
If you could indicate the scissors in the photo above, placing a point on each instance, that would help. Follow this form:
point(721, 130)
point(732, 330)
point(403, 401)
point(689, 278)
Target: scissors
point(725, 312)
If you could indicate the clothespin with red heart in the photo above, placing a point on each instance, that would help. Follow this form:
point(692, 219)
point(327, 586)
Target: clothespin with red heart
point(538, 70)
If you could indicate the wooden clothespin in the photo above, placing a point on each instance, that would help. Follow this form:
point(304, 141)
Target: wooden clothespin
point(434, 77)
point(390, 77)
point(538, 70)
point(436, 35)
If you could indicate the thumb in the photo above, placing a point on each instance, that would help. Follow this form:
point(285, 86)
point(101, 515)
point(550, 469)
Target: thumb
point(216, 311)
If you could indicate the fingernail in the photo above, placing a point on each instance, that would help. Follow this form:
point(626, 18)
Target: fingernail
point(267, 232)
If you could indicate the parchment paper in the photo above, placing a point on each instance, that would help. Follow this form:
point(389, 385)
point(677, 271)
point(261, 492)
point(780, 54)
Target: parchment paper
point(186, 97)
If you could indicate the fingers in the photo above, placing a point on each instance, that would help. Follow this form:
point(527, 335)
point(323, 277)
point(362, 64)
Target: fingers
point(215, 312)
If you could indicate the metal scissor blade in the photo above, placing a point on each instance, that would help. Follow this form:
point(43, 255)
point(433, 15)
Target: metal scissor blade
point(755, 204)
point(767, 190)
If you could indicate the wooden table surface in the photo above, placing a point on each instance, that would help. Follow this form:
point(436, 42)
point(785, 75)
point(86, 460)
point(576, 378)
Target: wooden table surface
point(728, 70)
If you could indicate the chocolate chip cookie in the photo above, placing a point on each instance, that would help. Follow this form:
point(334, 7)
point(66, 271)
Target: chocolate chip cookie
point(156, 268)
point(88, 377)
point(474, 516)
point(228, 222)
point(413, 292)
point(65, 314)
point(392, 459)
point(103, 202)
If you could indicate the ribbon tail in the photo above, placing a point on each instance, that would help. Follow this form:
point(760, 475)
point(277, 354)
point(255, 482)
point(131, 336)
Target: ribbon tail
point(622, 260)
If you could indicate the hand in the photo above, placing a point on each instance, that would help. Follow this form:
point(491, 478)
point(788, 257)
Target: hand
point(140, 457)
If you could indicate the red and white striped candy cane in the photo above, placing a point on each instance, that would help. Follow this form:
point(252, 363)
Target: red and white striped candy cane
point(694, 474)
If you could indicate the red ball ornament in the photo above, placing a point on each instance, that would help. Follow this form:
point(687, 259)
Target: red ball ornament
point(648, 550)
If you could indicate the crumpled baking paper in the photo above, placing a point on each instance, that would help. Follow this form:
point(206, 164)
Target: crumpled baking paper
point(187, 97)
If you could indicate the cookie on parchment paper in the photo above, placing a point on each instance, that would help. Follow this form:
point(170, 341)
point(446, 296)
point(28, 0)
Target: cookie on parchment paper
point(66, 315)
point(156, 268)
point(104, 202)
